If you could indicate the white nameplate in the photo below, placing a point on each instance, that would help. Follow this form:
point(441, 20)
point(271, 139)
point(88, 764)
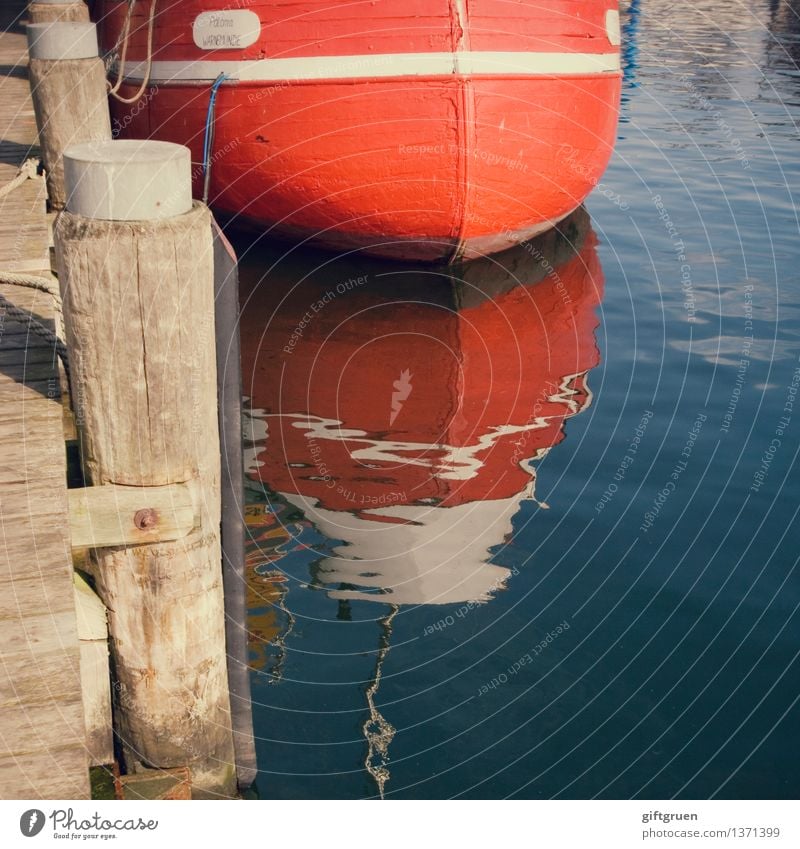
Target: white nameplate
point(226, 30)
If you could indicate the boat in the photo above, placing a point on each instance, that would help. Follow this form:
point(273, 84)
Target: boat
point(404, 411)
point(416, 129)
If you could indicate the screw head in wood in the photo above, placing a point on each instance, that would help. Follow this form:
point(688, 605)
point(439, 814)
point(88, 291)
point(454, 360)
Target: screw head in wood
point(145, 519)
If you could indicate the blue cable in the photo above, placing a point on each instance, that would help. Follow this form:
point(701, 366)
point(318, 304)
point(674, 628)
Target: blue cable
point(210, 118)
point(208, 140)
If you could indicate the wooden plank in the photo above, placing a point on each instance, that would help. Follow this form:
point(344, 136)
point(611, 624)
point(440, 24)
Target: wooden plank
point(18, 596)
point(18, 549)
point(38, 302)
point(38, 725)
point(96, 691)
point(95, 673)
point(23, 372)
point(106, 516)
point(10, 355)
point(42, 733)
point(24, 246)
point(24, 396)
point(25, 467)
point(27, 500)
point(43, 633)
point(35, 678)
point(42, 774)
point(91, 612)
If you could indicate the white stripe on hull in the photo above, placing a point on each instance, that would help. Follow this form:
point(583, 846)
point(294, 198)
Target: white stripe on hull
point(466, 63)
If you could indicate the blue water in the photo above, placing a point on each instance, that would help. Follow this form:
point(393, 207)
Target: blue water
point(640, 635)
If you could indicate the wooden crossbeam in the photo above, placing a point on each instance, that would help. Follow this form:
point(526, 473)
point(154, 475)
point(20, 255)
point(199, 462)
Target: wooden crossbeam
point(112, 515)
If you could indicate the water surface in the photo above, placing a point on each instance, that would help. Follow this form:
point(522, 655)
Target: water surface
point(528, 527)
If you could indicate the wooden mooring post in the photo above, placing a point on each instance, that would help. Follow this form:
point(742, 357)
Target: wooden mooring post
point(68, 89)
point(135, 264)
point(46, 11)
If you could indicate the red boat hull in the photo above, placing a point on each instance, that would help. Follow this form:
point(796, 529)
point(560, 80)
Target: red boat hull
point(415, 130)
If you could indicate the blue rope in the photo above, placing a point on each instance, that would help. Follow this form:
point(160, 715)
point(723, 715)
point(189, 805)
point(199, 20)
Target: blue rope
point(208, 140)
point(630, 46)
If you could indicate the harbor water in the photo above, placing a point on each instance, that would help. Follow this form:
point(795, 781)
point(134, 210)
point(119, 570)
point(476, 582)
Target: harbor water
point(528, 527)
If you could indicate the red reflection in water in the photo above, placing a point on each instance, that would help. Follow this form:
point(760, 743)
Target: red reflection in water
point(402, 407)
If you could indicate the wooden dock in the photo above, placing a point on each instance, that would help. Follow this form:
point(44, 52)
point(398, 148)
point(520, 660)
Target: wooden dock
point(42, 738)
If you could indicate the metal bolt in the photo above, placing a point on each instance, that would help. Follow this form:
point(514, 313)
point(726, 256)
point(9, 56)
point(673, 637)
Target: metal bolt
point(145, 519)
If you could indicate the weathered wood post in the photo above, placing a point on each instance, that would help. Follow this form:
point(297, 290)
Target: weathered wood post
point(68, 88)
point(45, 11)
point(135, 264)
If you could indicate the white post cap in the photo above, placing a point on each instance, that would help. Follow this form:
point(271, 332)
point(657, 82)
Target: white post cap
point(128, 180)
point(63, 40)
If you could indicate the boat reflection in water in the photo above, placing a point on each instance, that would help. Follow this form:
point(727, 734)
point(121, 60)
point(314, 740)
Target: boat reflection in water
point(403, 409)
